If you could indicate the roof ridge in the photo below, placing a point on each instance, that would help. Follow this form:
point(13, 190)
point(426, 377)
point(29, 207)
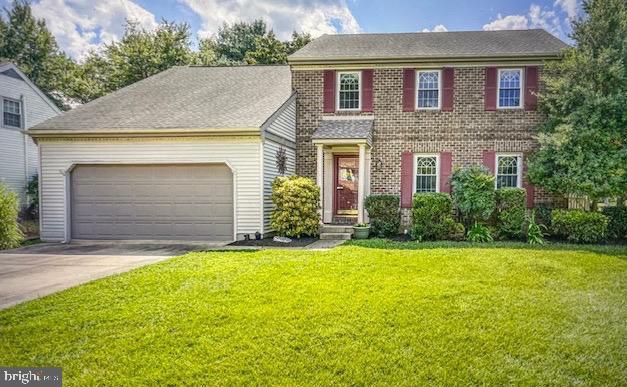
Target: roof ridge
point(434, 32)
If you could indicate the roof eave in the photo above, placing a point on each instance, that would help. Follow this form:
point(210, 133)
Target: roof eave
point(423, 59)
point(177, 132)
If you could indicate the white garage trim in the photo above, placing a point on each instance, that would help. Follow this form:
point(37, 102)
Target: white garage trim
point(58, 158)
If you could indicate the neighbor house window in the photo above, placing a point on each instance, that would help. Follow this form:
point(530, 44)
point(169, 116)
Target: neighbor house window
point(12, 113)
point(508, 171)
point(428, 89)
point(510, 81)
point(349, 88)
point(426, 173)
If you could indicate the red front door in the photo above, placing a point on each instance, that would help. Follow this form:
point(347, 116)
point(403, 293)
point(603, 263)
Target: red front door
point(346, 182)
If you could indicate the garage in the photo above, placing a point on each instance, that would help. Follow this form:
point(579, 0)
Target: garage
point(152, 202)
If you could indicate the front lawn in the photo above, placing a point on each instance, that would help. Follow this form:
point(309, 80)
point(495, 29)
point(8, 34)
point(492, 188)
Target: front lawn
point(351, 315)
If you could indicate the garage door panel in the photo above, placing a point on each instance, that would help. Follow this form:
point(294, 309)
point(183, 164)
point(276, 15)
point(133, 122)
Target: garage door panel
point(192, 202)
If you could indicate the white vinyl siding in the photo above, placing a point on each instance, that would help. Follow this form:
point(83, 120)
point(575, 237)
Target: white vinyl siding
point(283, 124)
point(18, 152)
point(270, 172)
point(242, 154)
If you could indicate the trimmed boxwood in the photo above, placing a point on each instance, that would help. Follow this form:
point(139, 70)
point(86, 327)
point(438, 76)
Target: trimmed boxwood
point(384, 213)
point(510, 212)
point(431, 217)
point(296, 200)
point(579, 226)
point(617, 222)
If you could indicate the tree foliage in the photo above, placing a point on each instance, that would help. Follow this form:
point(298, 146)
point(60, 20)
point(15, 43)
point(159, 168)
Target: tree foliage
point(140, 53)
point(27, 43)
point(582, 142)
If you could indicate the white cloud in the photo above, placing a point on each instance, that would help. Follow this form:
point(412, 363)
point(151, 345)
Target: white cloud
point(438, 28)
point(80, 25)
point(569, 6)
point(537, 17)
point(509, 22)
point(317, 17)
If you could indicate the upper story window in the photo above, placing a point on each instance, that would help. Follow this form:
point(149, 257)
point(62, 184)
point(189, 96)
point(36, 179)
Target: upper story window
point(509, 88)
point(426, 167)
point(508, 171)
point(349, 90)
point(12, 113)
point(428, 89)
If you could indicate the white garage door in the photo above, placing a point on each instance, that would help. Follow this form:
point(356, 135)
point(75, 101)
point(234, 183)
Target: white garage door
point(166, 202)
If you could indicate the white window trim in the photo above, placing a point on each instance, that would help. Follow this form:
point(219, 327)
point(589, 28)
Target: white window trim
point(437, 170)
point(498, 89)
point(519, 166)
point(439, 89)
point(21, 113)
point(337, 92)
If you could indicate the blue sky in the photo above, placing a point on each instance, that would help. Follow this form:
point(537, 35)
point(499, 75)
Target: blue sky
point(81, 25)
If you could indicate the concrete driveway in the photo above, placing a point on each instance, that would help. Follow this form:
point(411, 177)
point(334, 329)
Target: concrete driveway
point(30, 272)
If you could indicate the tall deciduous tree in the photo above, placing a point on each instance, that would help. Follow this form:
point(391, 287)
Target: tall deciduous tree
point(27, 43)
point(582, 143)
point(268, 50)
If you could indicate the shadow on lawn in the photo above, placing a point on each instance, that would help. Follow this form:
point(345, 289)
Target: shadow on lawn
point(619, 250)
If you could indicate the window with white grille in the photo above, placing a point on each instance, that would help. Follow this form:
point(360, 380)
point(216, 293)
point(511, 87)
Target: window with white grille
point(508, 171)
point(349, 91)
point(427, 167)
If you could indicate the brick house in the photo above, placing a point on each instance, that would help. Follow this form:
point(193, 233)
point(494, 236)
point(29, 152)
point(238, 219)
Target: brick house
point(191, 152)
point(395, 113)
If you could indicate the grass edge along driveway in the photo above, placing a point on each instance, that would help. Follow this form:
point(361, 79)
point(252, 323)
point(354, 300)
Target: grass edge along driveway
point(351, 315)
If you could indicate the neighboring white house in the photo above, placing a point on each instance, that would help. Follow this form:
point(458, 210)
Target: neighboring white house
point(23, 106)
point(187, 154)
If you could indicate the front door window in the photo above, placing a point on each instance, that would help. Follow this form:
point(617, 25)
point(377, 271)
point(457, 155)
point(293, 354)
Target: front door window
point(347, 181)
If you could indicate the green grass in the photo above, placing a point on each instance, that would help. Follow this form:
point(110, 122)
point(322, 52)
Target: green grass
point(351, 315)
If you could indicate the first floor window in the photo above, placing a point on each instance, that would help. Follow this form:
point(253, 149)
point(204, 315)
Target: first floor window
point(428, 89)
point(508, 171)
point(426, 173)
point(509, 88)
point(349, 90)
point(12, 113)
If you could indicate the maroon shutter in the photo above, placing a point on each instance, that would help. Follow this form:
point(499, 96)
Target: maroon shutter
point(531, 87)
point(409, 90)
point(367, 96)
point(489, 158)
point(446, 168)
point(407, 179)
point(329, 91)
point(448, 90)
point(526, 184)
point(490, 88)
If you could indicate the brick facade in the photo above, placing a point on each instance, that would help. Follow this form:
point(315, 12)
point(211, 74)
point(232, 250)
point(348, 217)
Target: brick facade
point(466, 131)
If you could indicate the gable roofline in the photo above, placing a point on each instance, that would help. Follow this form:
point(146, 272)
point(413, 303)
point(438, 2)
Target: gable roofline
point(401, 47)
point(10, 65)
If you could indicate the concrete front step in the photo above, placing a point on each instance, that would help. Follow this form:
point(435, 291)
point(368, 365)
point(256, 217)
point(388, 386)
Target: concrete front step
point(341, 236)
point(334, 228)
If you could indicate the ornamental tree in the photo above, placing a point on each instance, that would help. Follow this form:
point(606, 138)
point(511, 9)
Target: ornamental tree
point(582, 142)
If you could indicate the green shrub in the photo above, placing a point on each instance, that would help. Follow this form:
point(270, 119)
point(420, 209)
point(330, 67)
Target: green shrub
point(535, 231)
point(473, 193)
point(431, 217)
point(617, 222)
point(10, 233)
point(543, 215)
point(479, 233)
point(296, 200)
point(579, 226)
point(384, 213)
point(510, 212)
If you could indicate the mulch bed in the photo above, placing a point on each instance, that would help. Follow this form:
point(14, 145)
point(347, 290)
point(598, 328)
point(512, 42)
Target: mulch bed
point(268, 242)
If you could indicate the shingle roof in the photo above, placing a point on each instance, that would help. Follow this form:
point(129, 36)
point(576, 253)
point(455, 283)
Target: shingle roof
point(185, 98)
point(431, 45)
point(344, 129)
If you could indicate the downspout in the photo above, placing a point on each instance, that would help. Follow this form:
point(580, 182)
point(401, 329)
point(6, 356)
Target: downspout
point(25, 141)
